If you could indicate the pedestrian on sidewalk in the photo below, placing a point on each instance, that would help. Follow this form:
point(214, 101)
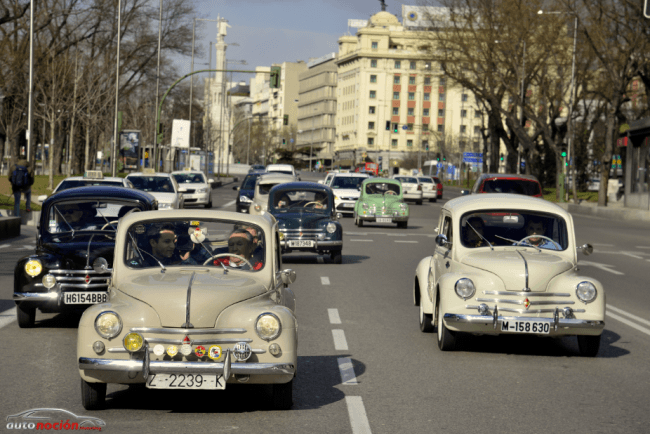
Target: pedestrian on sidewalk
point(21, 177)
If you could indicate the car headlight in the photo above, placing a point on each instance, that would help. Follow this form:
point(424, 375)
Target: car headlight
point(465, 288)
point(331, 228)
point(281, 235)
point(133, 342)
point(245, 199)
point(586, 292)
point(202, 190)
point(365, 205)
point(108, 324)
point(33, 267)
point(164, 205)
point(268, 326)
point(403, 206)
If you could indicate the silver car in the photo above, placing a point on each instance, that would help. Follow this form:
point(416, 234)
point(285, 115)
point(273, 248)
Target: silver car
point(162, 186)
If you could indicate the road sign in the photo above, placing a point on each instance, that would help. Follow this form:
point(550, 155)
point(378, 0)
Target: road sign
point(405, 127)
point(291, 140)
point(379, 158)
point(473, 154)
point(472, 160)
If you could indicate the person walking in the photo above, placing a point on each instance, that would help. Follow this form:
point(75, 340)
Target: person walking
point(21, 177)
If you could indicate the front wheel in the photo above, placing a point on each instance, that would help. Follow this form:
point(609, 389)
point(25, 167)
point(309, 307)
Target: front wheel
point(93, 395)
point(283, 396)
point(209, 205)
point(26, 316)
point(402, 225)
point(426, 319)
point(589, 345)
point(419, 202)
point(336, 257)
point(446, 338)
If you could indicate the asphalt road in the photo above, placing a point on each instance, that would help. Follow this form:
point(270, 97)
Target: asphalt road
point(361, 314)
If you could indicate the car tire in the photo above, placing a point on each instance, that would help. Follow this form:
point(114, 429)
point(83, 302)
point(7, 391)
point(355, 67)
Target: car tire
point(26, 316)
point(93, 395)
point(336, 257)
point(589, 345)
point(425, 319)
point(359, 222)
point(282, 396)
point(402, 225)
point(209, 205)
point(419, 202)
point(446, 338)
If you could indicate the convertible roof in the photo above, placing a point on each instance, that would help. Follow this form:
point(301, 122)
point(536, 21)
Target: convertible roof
point(477, 202)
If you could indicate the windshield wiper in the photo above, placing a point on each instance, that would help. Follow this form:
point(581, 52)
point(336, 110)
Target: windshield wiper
point(155, 259)
point(66, 222)
point(482, 237)
point(518, 243)
point(107, 222)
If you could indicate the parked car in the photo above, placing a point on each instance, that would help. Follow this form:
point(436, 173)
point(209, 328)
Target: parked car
point(263, 185)
point(347, 187)
point(89, 178)
point(527, 185)
point(381, 201)
point(212, 311)
point(508, 266)
point(246, 191)
point(257, 168)
point(195, 187)
point(285, 169)
point(429, 188)
point(76, 232)
point(308, 221)
point(439, 186)
point(162, 186)
point(412, 188)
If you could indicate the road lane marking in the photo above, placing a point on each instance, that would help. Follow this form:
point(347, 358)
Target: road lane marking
point(631, 255)
point(358, 417)
point(334, 316)
point(324, 280)
point(231, 203)
point(627, 314)
point(599, 265)
point(356, 233)
point(340, 343)
point(320, 260)
point(364, 241)
point(7, 317)
point(642, 247)
point(630, 323)
point(29, 247)
point(4, 245)
point(602, 245)
point(347, 371)
point(403, 241)
point(396, 235)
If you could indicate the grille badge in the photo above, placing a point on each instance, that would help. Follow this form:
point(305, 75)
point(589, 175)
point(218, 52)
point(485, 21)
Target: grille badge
point(527, 303)
point(87, 279)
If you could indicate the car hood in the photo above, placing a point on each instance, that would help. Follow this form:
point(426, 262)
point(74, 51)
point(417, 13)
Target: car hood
point(164, 197)
point(347, 192)
point(211, 293)
point(248, 193)
point(74, 255)
point(193, 186)
point(304, 220)
point(511, 268)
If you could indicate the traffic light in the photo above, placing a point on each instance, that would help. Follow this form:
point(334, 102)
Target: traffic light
point(563, 153)
point(501, 156)
point(426, 148)
point(438, 156)
point(387, 125)
point(443, 158)
point(286, 120)
point(275, 77)
point(395, 128)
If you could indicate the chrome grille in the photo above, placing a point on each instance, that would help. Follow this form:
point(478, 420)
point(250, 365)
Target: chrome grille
point(81, 279)
point(518, 305)
point(303, 234)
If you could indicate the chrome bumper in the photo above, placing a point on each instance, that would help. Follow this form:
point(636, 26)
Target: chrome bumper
point(373, 218)
point(495, 320)
point(36, 296)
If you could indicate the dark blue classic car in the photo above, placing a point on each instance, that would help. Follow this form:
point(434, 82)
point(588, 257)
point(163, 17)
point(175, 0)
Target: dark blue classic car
point(73, 260)
point(307, 219)
point(246, 191)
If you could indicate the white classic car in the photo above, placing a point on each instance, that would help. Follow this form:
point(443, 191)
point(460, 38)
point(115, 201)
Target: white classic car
point(508, 264)
point(412, 188)
point(263, 185)
point(197, 300)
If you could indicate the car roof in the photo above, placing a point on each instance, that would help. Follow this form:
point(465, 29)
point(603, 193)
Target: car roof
point(352, 175)
point(275, 177)
point(98, 191)
point(105, 179)
point(162, 174)
point(265, 222)
point(301, 185)
point(381, 181)
point(508, 176)
point(279, 166)
point(176, 172)
point(495, 201)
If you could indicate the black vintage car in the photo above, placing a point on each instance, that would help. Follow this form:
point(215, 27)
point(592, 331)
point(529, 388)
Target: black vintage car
point(307, 219)
point(71, 266)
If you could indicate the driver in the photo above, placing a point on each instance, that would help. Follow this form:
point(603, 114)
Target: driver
point(321, 199)
point(240, 242)
point(537, 226)
point(161, 241)
point(76, 215)
point(471, 238)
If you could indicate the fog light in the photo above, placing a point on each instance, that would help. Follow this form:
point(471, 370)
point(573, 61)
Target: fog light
point(98, 347)
point(567, 312)
point(281, 235)
point(49, 281)
point(242, 351)
point(133, 342)
point(483, 309)
point(275, 350)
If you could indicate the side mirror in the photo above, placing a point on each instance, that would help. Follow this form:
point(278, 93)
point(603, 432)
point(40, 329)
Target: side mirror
point(288, 276)
point(41, 198)
point(465, 192)
point(211, 181)
point(236, 188)
point(441, 240)
point(587, 249)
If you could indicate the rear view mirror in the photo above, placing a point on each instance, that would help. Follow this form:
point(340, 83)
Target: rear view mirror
point(587, 249)
point(465, 192)
point(441, 240)
point(236, 188)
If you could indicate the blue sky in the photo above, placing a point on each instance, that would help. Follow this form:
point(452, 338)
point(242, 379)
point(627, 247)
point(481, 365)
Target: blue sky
point(275, 31)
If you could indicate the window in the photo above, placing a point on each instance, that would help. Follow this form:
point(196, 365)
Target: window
point(396, 79)
point(411, 80)
point(393, 143)
point(427, 96)
point(477, 113)
point(427, 81)
point(441, 128)
point(477, 130)
point(411, 111)
point(425, 112)
point(373, 63)
point(441, 113)
point(398, 64)
point(425, 127)
point(463, 129)
point(409, 143)
point(443, 81)
point(371, 141)
point(395, 111)
point(412, 65)
point(463, 113)
point(373, 94)
point(371, 109)
point(411, 96)
point(409, 127)
point(375, 45)
point(463, 97)
point(373, 79)
point(371, 125)
point(395, 95)
point(441, 97)
point(425, 145)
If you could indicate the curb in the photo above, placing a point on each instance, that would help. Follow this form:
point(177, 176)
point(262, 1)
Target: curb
point(629, 214)
point(9, 227)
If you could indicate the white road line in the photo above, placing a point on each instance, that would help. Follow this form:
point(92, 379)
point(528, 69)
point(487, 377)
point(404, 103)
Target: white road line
point(631, 255)
point(340, 343)
point(347, 371)
point(356, 233)
point(642, 247)
point(630, 323)
point(231, 203)
point(363, 241)
point(396, 235)
point(358, 417)
point(602, 245)
point(320, 260)
point(601, 266)
point(4, 245)
point(627, 314)
point(402, 241)
point(7, 317)
point(324, 280)
point(334, 316)
point(29, 247)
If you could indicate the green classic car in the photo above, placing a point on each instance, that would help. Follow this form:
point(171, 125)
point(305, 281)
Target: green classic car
point(381, 201)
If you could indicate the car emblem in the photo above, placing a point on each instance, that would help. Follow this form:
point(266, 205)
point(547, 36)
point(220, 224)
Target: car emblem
point(527, 303)
point(187, 340)
point(87, 279)
point(214, 352)
point(199, 351)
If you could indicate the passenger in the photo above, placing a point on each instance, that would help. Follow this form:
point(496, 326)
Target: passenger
point(258, 252)
point(162, 241)
point(471, 237)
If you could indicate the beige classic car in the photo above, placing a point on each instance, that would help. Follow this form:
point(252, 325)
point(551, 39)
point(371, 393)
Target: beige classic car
point(263, 185)
point(508, 264)
point(197, 300)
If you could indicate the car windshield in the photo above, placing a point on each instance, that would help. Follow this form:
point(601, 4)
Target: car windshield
point(65, 185)
point(516, 186)
point(153, 184)
point(249, 182)
point(285, 172)
point(74, 217)
point(228, 244)
point(382, 188)
point(351, 182)
point(189, 178)
point(407, 179)
point(425, 180)
point(301, 200)
point(265, 188)
point(514, 227)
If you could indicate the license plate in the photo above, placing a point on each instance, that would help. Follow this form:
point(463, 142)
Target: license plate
point(348, 205)
point(185, 381)
point(301, 243)
point(85, 297)
point(384, 220)
point(526, 327)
